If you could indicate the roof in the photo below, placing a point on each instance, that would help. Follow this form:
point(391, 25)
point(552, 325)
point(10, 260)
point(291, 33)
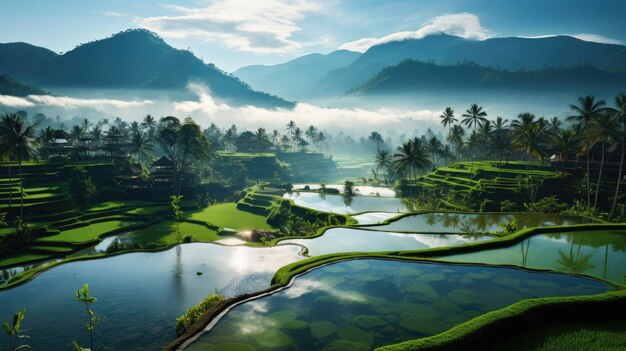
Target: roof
point(164, 161)
point(61, 134)
point(129, 169)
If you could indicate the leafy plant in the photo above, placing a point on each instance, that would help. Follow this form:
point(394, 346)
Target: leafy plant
point(191, 315)
point(14, 331)
point(84, 296)
point(178, 212)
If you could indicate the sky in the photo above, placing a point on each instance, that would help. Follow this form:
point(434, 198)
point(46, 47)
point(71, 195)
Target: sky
point(237, 33)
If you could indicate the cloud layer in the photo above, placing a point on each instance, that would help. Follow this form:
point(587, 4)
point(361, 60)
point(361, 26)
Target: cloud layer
point(465, 25)
point(67, 102)
point(206, 110)
point(582, 36)
point(252, 26)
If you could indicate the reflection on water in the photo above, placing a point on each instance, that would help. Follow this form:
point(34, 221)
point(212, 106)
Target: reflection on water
point(598, 253)
point(363, 304)
point(356, 240)
point(374, 217)
point(474, 223)
point(363, 190)
point(139, 294)
point(7, 273)
point(336, 203)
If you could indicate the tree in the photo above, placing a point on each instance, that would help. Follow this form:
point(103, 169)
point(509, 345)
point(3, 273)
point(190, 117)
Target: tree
point(16, 139)
point(150, 124)
point(527, 136)
point(456, 137)
point(376, 138)
point(448, 119)
point(565, 142)
point(296, 137)
point(434, 147)
point(603, 128)
point(311, 134)
point(383, 161)
point(291, 126)
point(410, 157)
point(474, 116)
point(320, 140)
point(620, 112)
point(583, 113)
point(140, 145)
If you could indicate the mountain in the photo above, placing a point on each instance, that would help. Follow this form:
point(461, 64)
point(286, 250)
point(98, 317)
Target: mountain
point(507, 53)
point(290, 79)
point(136, 59)
point(9, 86)
point(19, 59)
point(413, 76)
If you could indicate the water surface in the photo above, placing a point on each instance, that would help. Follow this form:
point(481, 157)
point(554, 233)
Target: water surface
point(363, 304)
point(374, 217)
point(338, 204)
point(357, 240)
point(139, 294)
point(598, 253)
point(472, 223)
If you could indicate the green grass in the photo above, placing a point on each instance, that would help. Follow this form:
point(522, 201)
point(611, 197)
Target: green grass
point(164, 233)
point(151, 210)
point(22, 258)
point(604, 335)
point(228, 216)
point(111, 205)
point(87, 233)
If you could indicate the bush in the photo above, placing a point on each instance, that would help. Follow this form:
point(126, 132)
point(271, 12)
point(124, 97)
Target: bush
point(508, 206)
point(548, 204)
point(187, 238)
point(194, 313)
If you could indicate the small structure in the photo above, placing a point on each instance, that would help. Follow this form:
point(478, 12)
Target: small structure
point(162, 172)
point(130, 176)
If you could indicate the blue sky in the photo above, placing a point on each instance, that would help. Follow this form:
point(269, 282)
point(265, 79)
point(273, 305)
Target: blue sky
point(235, 33)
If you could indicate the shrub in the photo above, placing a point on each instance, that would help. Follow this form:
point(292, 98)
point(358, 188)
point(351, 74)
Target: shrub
point(194, 313)
point(187, 238)
point(508, 206)
point(548, 204)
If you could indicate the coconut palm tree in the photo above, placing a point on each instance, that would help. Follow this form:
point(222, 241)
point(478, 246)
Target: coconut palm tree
point(296, 137)
point(434, 147)
point(291, 126)
point(500, 124)
point(620, 112)
point(275, 137)
point(383, 160)
point(565, 142)
point(411, 157)
point(376, 138)
point(528, 138)
point(583, 112)
point(311, 134)
point(456, 138)
point(140, 145)
point(17, 139)
point(320, 140)
point(603, 127)
point(448, 119)
point(76, 133)
point(149, 123)
point(474, 116)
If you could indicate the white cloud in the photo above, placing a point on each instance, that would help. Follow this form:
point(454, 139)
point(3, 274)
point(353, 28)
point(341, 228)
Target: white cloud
point(67, 102)
point(112, 14)
point(261, 26)
point(352, 120)
point(14, 101)
point(465, 25)
point(582, 36)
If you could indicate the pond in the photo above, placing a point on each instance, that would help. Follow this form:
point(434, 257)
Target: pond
point(357, 240)
point(363, 304)
point(598, 253)
point(139, 294)
point(336, 203)
point(374, 217)
point(474, 223)
point(363, 190)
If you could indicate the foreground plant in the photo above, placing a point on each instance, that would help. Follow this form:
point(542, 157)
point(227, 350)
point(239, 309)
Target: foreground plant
point(194, 313)
point(14, 332)
point(178, 212)
point(84, 296)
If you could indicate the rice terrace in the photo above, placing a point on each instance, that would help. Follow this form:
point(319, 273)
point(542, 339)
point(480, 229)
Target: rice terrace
point(301, 175)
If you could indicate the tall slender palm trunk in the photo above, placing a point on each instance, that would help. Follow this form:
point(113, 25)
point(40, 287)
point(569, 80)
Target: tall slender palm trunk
point(619, 174)
point(21, 190)
point(595, 201)
point(588, 183)
point(10, 181)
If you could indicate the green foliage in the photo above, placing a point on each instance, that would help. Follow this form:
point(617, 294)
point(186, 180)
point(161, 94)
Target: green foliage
point(14, 332)
point(187, 238)
point(83, 295)
point(548, 204)
point(508, 228)
point(508, 206)
point(117, 245)
point(178, 212)
point(81, 185)
point(194, 313)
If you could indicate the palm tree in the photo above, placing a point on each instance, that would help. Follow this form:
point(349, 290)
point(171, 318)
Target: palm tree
point(320, 140)
point(291, 126)
point(260, 135)
point(554, 125)
point(383, 160)
point(603, 127)
point(500, 124)
point(528, 138)
point(456, 137)
point(296, 137)
point(311, 134)
point(473, 117)
point(447, 118)
point(86, 125)
point(96, 134)
point(76, 133)
point(149, 123)
point(565, 142)
point(17, 140)
point(587, 108)
point(410, 157)
point(376, 138)
point(275, 138)
point(140, 145)
point(434, 147)
point(620, 103)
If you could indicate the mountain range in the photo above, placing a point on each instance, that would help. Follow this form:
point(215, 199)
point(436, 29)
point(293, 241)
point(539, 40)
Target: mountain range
point(133, 59)
point(513, 53)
